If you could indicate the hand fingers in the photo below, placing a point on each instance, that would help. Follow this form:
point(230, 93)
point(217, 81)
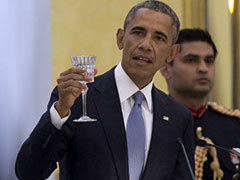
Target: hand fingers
point(74, 73)
point(74, 77)
point(70, 86)
point(75, 70)
point(72, 83)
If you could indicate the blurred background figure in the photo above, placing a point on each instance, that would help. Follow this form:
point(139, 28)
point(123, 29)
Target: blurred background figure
point(190, 78)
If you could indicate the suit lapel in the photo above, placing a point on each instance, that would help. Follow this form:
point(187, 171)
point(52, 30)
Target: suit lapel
point(159, 138)
point(110, 113)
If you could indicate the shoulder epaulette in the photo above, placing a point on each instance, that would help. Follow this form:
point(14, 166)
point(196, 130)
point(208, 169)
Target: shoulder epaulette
point(223, 110)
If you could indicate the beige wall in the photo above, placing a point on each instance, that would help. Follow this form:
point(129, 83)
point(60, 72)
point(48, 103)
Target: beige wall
point(193, 14)
point(219, 23)
point(89, 27)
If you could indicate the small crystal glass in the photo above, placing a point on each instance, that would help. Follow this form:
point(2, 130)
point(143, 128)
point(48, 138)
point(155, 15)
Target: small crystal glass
point(85, 61)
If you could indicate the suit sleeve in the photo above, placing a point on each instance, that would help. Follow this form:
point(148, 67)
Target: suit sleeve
point(38, 155)
point(182, 171)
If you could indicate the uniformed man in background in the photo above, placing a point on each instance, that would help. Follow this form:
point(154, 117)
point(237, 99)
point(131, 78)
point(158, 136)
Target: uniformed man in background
point(190, 78)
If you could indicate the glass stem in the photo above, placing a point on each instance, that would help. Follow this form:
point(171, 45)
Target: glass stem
point(84, 100)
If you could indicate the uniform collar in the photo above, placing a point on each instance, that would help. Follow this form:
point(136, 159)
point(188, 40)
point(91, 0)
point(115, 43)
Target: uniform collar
point(199, 112)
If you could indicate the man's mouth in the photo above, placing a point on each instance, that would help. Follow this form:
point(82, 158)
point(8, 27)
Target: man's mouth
point(203, 80)
point(143, 59)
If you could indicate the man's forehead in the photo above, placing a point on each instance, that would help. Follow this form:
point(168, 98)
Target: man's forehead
point(160, 22)
point(196, 47)
point(150, 14)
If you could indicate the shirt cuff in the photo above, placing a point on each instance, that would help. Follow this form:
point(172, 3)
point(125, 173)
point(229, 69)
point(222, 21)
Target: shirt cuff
point(56, 119)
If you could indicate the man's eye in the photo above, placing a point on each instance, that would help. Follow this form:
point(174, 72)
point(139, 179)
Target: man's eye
point(159, 38)
point(138, 33)
point(210, 61)
point(190, 60)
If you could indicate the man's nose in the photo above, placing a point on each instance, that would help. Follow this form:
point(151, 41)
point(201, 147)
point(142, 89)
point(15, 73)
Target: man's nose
point(202, 66)
point(146, 44)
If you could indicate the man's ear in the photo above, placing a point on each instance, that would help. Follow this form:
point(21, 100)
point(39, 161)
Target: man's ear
point(165, 71)
point(120, 35)
point(174, 51)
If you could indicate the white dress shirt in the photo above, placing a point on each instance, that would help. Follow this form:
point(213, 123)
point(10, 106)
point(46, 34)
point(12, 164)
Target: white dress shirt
point(126, 88)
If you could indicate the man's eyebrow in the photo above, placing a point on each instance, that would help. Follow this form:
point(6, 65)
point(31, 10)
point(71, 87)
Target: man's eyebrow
point(210, 56)
point(191, 55)
point(195, 55)
point(138, 28)
point(162, 34)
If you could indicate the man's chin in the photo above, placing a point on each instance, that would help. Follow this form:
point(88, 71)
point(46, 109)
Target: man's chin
point(202, 91)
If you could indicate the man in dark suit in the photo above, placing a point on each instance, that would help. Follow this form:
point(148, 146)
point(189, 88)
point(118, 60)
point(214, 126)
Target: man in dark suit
point(190, 78)
point(100, 150)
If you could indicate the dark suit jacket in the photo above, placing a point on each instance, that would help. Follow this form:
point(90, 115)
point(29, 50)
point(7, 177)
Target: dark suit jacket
point(98, 150)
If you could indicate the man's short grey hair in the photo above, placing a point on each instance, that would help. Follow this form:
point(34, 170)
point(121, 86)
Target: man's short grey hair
point(155, 6)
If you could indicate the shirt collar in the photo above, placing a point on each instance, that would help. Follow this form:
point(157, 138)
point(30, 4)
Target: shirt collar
point(126, 87)
point(199, 112)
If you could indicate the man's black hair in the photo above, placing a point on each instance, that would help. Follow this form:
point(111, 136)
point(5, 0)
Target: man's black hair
point(190, 35)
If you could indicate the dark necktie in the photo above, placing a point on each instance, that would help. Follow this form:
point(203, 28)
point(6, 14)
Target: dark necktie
point(136, 138)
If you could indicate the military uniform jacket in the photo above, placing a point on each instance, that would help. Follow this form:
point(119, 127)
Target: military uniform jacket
point(223, 130)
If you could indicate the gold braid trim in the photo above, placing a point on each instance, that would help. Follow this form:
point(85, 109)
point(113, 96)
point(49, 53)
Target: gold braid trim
point(201, 157)
point(223, 110)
